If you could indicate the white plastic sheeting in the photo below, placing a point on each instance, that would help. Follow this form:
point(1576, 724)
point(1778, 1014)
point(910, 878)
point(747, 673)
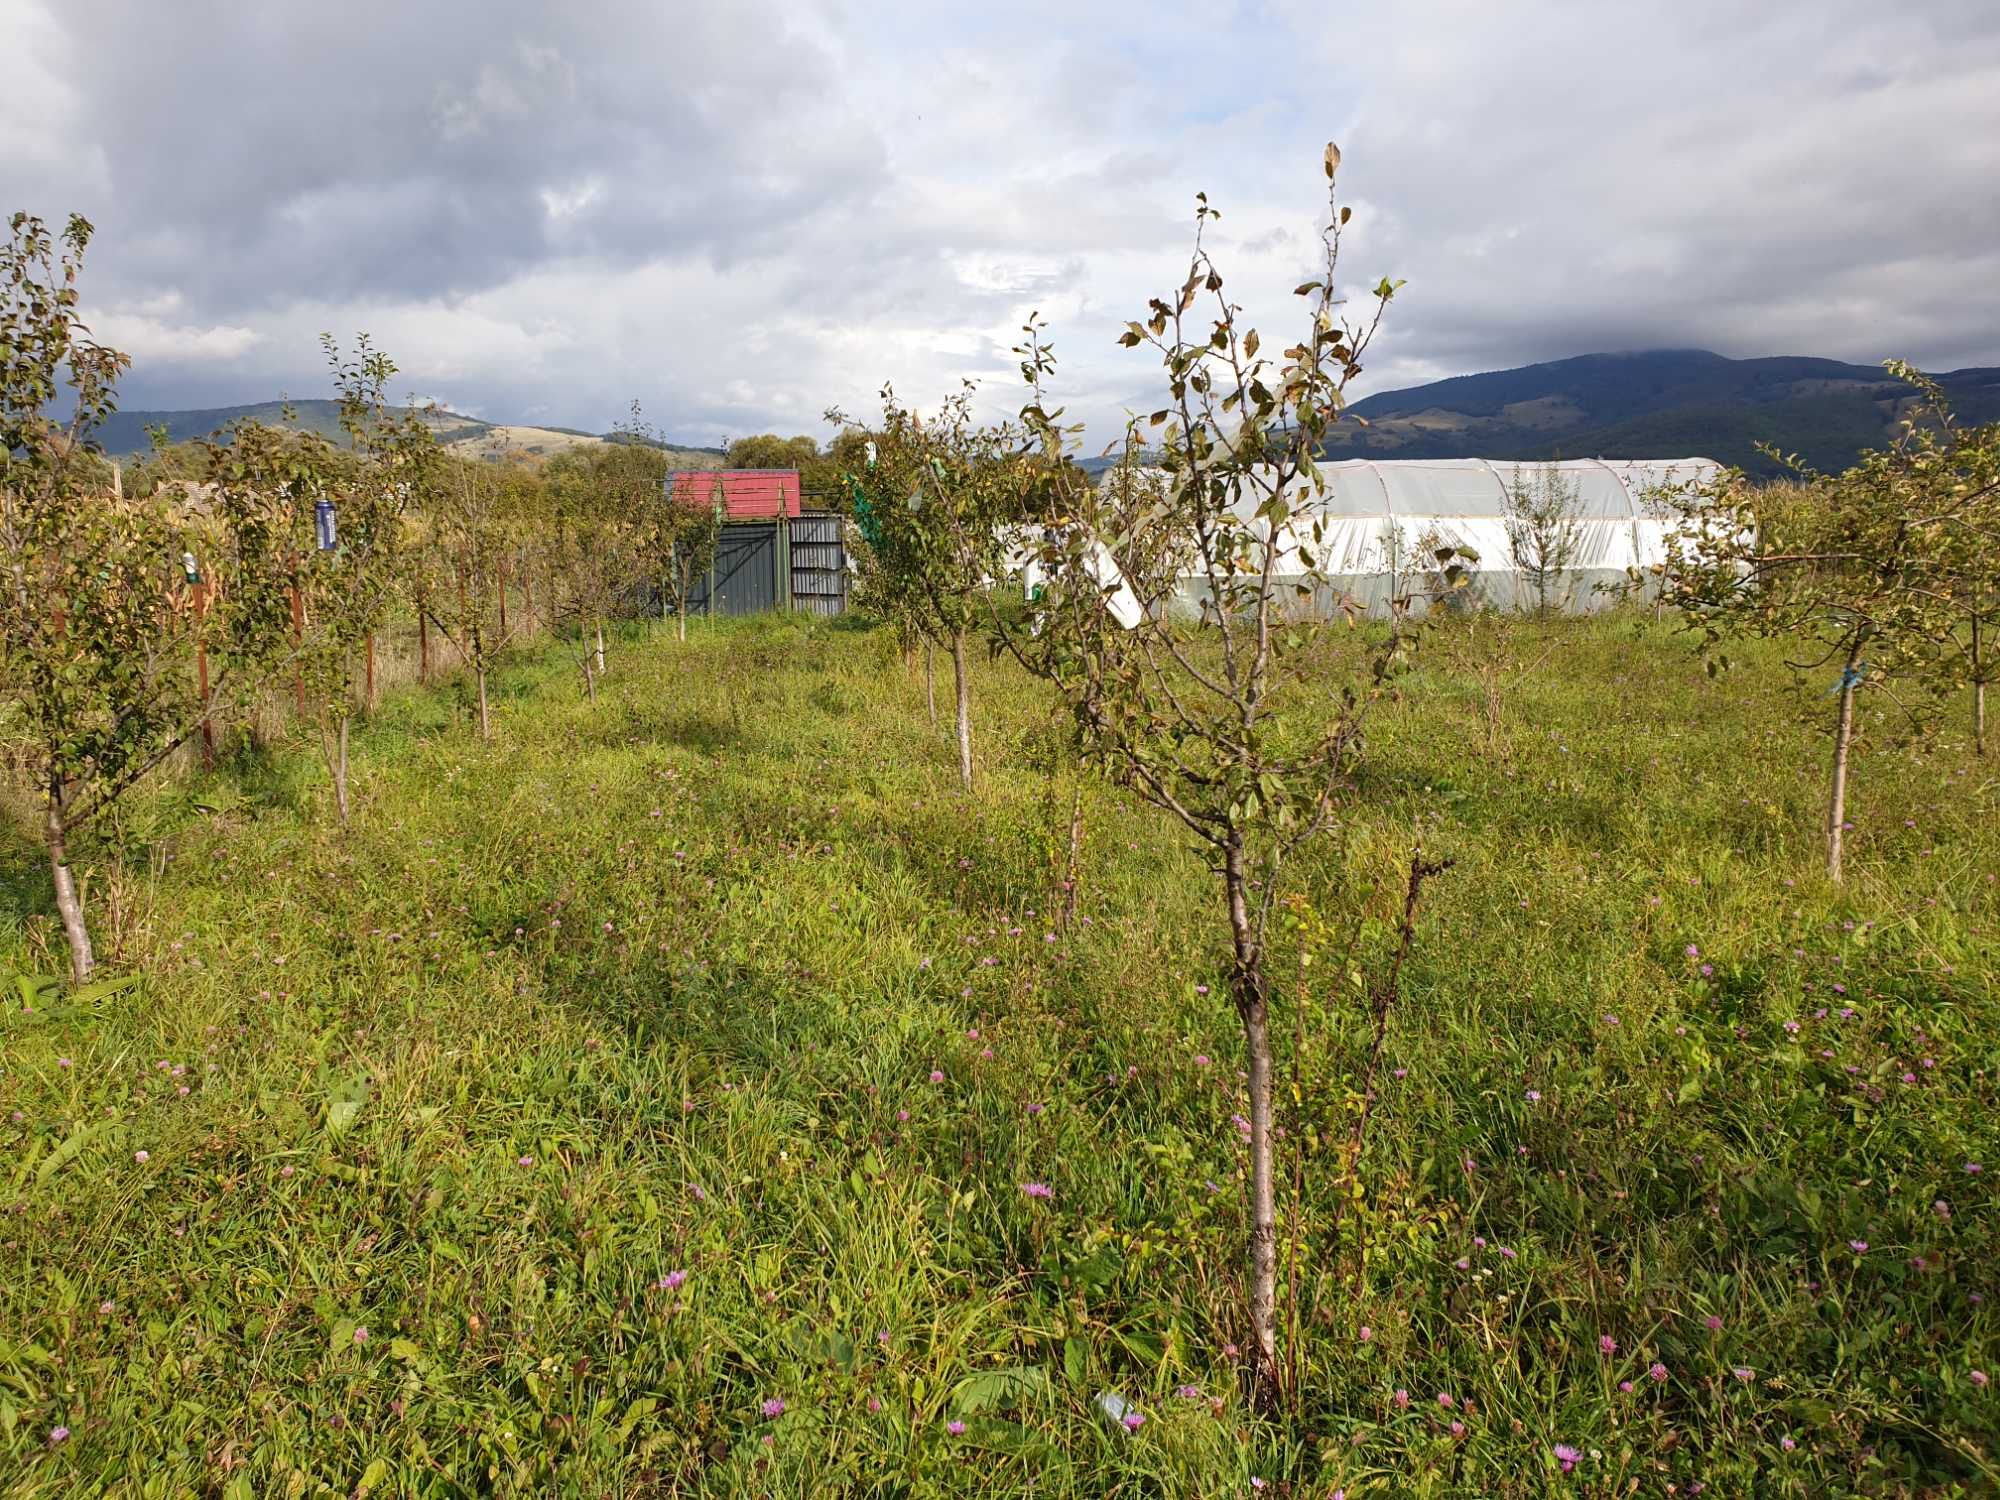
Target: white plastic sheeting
point(1376, 517)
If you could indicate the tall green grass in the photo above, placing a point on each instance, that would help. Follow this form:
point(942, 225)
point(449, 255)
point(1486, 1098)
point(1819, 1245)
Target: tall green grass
point(691, 1052)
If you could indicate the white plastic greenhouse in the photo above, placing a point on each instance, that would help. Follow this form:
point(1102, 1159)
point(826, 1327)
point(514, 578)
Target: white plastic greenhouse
point(1379, 517)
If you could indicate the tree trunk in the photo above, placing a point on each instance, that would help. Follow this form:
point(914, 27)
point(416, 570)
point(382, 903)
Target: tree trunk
point(368, 678)
point(423, 642)
point(333, 742)
point(600, 651)
point(1978, 691)
point(964, 685)
point(1247, 987)
point(528, 593)
point(1843, 736)
point(682, 613)
point(930, 683)
point(340, 781)
point(589, 680)
point(81, 959)
point(485, 718)
point(503, 599)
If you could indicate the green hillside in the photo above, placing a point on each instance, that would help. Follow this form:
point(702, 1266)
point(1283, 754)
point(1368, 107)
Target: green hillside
point(1655, 404)
point(127, 433)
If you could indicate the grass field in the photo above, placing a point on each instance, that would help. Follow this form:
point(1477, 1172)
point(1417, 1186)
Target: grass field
point(643, 1105)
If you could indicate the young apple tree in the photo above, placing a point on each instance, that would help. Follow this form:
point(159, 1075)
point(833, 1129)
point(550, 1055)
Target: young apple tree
point(1223, 721)
point(97, 628)
point(348, 533)
point(1877, 571)
point(591, 534)
point(947, 495)
point(1544, 528)
point(679, 532)
point(458, 566)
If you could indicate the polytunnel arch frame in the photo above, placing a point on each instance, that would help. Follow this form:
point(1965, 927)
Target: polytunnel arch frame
point(1352, 535)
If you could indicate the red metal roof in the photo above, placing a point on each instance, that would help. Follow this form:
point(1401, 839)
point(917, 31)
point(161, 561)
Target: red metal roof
point(747, 494)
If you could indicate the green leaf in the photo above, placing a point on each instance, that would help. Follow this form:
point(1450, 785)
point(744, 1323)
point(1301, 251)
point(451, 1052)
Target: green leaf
point(74, 1142)
point(1076, 1360)
point(101, 989)
point(976, 1393)
point(374, 1474)
point(636, 1413)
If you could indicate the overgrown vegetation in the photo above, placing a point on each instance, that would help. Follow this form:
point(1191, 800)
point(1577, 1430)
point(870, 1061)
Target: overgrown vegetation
point(697, 1050)
point(702, 1082)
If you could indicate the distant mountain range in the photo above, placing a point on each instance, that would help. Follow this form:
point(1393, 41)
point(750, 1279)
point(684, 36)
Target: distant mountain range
point(127, 433)
point(1660, 403)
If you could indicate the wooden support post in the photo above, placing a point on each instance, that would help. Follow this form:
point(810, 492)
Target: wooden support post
point(784, 560)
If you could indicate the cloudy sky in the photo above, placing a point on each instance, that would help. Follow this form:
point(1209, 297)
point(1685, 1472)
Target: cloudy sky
point(741, 213)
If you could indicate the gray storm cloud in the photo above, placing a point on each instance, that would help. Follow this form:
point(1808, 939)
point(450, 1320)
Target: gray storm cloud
point(743, 213)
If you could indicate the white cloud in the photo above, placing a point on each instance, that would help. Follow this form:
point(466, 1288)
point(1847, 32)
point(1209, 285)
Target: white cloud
point(145, 334)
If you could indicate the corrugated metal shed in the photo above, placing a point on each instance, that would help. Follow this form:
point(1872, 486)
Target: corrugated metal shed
point(747, 494)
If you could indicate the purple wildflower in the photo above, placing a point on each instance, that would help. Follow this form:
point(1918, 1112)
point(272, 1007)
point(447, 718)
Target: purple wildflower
point(1567, 1456)
point(774, 1406)
point(1038, 1190)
